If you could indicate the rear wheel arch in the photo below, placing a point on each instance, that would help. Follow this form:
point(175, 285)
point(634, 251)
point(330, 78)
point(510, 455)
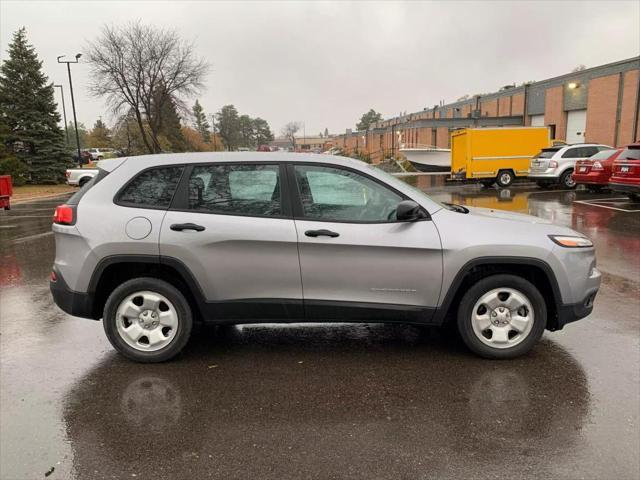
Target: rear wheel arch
point(115, 270)
point(536, 271)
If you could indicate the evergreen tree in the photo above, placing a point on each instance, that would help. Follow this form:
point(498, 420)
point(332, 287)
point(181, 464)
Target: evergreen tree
point(168, 123)
point(245, 125)
point(201, 124)
point(100, 136)
point(83, 136)
point(229, 127)
point(29, 113)
point(261, 131)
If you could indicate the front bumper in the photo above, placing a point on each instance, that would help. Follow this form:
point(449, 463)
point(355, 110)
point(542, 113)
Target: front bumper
point(568, 313)
point(78, 304)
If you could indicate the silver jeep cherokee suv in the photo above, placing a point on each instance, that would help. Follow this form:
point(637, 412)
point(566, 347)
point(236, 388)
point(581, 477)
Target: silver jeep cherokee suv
point(157, 242)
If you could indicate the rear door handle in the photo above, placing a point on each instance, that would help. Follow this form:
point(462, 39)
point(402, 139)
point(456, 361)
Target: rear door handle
point(178, 227)
point(321, 233)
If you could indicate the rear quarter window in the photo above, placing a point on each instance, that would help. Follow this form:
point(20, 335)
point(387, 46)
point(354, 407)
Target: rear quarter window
point(75, 198)
point(152, 188)
point(547, 153)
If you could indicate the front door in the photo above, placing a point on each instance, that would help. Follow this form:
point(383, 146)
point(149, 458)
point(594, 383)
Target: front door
point(232, 231)
point(357, 261)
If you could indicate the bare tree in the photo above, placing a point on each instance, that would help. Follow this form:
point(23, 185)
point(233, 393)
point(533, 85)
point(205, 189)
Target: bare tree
point(142, 68)
point(289, 131)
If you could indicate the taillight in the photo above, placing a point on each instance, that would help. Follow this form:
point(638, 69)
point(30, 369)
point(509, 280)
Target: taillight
point(67, 174)
point(597, 166)
point(64, 215)
point(553, 164)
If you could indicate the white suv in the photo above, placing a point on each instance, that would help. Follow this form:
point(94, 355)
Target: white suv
point(554, 165)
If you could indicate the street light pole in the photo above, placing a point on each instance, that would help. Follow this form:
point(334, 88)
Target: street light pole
point(64, 113)
point(213, 130)
point(73, 104)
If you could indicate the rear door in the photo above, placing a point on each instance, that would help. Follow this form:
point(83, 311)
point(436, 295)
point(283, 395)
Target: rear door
point(230, 227)
point(357, 261)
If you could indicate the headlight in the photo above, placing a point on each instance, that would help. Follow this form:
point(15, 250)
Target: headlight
point(571, 242)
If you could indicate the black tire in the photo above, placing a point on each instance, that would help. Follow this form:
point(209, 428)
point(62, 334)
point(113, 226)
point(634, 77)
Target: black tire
point(505, 178)
point(465, 311)
point(185, 319)
point(543, 184)
point(566, 179)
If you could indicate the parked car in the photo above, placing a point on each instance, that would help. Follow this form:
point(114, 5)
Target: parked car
point(157, 242)
point(96, 153)
point(80, 176)
point(594, 172)
point(555, 165)
point(626, 172)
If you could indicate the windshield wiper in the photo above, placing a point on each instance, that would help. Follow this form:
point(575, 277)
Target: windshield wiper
point(456, 208)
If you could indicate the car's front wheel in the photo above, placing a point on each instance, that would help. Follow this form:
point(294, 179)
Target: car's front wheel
point(147, 320)
point(502, 316)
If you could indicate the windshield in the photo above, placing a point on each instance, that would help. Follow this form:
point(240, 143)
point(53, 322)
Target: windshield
point(394, 181)
point(75, 198)
point(547, 153)
point(603, 155)
point(630, 154)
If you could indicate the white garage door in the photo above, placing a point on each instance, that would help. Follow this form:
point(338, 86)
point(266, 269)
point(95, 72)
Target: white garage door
point(576, 124)
point(537, 120)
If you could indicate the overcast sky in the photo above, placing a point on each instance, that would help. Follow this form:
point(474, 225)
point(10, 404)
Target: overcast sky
point(326, 63)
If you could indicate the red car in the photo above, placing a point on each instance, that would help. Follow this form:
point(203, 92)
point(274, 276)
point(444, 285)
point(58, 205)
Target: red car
point(594, 172)
point(626, 172)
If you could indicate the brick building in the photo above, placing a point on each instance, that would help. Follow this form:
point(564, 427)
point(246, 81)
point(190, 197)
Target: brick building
point(600, 104)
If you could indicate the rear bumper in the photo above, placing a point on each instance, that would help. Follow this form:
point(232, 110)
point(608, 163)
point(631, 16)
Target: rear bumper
point(625, 187)
point(78, 304)
point(591, 178)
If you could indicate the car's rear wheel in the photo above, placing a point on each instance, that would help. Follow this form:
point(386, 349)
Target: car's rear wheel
point(502, 316)
point(505, 178)
point(147, 320)
point(566, 179)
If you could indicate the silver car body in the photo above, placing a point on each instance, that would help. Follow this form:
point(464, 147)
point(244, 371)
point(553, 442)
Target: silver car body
point(270, 263)
point(542, 169)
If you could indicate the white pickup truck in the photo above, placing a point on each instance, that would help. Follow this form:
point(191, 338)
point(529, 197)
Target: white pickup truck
point(80, 176)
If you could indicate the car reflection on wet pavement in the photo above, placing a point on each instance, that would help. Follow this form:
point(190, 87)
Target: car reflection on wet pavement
point(324, 400)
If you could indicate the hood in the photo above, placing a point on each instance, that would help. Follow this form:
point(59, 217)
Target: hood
point(504, 215)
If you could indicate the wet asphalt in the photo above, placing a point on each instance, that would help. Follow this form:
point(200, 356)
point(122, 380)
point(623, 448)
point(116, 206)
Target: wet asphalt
point(325, 401)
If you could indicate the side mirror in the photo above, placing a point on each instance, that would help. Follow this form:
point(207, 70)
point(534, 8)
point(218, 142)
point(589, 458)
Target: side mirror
point(409, 211)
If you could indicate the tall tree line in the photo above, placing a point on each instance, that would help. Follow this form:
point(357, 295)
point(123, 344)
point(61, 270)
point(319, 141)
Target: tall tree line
point(242, 131)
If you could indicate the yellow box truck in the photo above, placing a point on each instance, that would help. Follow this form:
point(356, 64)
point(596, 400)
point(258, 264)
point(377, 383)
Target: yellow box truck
point(495, 155)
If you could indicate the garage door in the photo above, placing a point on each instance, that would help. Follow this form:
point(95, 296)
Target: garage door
point(576, 124)
point(537, 120)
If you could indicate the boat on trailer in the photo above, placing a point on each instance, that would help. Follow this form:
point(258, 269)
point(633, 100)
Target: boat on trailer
point(427, 158)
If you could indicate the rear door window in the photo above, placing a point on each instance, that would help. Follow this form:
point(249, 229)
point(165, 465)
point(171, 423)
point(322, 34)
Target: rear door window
point(250, 189)
point(153, 188)
point(575, 152)
point(547, 153)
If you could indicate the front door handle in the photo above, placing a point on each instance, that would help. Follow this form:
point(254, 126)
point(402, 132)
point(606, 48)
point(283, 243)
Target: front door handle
point(321, 233)
point(178, 227)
